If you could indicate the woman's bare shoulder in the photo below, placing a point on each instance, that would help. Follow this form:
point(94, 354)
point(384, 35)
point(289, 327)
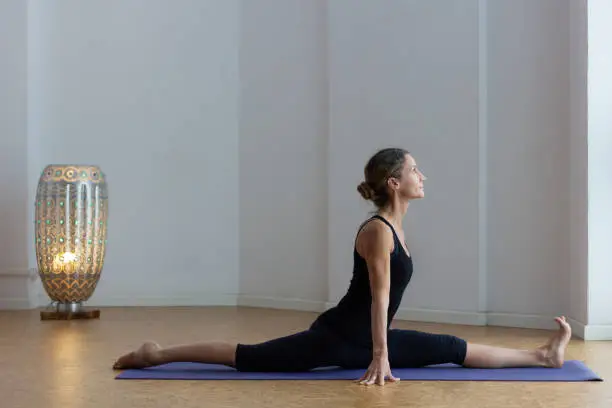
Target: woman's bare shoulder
point(375, 237)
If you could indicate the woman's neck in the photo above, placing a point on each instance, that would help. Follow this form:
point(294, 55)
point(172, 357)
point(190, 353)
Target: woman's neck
point(394, 212)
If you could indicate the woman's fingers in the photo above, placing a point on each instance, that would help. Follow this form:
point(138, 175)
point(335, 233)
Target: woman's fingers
point(364, 377)
point(371, 377)
point(376, 377)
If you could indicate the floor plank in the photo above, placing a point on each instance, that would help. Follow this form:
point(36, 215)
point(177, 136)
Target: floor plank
point(67, 364)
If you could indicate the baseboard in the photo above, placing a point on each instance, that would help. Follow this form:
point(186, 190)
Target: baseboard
point(282, 303)
point(418, 315)
point(21, 303)
point(442, 316)
point(586, 332)
point(436, 316)
point(18, 288)
point(591, 332)
point(204, 299)
point(578, 328)
point(598, 332)
point(523, 321)
point(18, 273)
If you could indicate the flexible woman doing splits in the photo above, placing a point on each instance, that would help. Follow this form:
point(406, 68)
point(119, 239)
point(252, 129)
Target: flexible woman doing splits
point(356, 333)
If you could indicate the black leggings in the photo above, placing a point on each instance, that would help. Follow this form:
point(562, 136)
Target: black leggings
point(320, 347)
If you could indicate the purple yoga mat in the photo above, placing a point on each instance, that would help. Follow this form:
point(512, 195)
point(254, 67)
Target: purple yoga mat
point(572, 370)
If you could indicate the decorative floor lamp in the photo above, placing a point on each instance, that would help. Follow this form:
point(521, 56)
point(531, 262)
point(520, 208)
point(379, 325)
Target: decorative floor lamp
point(71, 224)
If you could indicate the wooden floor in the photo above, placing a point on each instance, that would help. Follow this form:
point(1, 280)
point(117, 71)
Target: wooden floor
point(59, 364)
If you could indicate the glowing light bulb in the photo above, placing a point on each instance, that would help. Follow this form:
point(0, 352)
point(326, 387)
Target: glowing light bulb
point(68, 257)
point(65, 262)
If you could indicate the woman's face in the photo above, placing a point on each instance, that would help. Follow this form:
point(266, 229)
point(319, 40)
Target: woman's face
point(411, 183)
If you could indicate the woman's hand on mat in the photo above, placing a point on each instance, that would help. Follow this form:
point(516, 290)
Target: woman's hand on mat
point(378, 371)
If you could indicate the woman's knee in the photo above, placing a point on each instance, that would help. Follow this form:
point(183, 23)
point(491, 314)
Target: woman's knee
point(296, 352)
point(409, 348)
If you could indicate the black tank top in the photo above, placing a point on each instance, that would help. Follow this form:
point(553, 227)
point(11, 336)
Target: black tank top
point(352, 317)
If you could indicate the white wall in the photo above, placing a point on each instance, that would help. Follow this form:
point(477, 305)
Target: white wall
point(283, 152)
point(261, 115)
point(528, 157)
point(599, 164)
point(407, 75)
point(13, 155)
point(149, 93)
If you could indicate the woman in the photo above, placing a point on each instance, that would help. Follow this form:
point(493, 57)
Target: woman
point(356, 333)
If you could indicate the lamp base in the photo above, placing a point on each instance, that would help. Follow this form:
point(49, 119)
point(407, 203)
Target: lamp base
point(69, 311)
point(69, 315)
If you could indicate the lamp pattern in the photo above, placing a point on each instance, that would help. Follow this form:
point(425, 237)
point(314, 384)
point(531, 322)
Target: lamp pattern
point(71, 216)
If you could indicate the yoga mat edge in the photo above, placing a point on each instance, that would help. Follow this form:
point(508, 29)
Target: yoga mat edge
point(572, 371)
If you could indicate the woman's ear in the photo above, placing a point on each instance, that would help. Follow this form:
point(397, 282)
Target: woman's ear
point(393, 183)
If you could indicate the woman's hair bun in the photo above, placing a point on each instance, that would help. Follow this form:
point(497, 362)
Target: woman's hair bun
point(365, 190)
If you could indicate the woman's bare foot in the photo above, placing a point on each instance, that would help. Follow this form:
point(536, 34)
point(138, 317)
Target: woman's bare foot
point(553, 352)
point(145, 356)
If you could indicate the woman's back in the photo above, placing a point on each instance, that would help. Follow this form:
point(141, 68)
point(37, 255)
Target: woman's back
point(351, 318)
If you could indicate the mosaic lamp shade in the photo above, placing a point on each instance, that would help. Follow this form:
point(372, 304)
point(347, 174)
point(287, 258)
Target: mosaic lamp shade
point(71, 211)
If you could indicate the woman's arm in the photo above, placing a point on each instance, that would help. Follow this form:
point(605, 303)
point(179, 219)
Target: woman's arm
point(377, 245)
